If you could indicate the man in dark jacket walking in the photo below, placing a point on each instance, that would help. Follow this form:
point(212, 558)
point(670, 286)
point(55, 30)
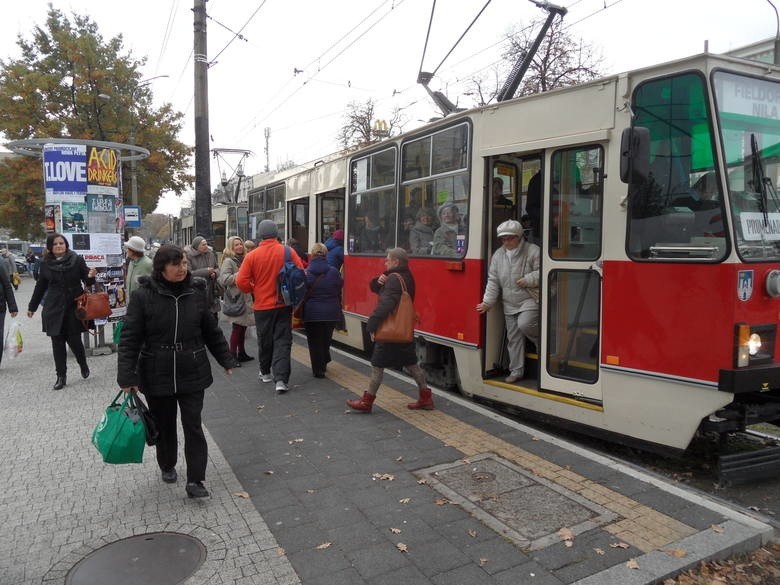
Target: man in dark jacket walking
point(7, 299)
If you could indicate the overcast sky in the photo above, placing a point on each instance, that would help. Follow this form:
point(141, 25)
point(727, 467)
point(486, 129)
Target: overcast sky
point(352, 50)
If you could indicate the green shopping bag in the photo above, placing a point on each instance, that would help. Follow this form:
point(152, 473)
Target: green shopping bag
point(120, 435)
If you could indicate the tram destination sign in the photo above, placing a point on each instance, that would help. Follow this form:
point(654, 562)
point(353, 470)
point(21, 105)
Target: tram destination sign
point(754, 228)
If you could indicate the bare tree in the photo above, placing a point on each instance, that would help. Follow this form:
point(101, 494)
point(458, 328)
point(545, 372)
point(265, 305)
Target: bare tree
point(360, 127)
point(561, 60)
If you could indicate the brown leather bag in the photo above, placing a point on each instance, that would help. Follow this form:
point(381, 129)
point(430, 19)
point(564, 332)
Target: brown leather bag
point(92, 305)
point(398, 326)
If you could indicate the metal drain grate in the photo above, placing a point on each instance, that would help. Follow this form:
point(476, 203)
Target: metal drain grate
point(512, 501)
point(158, 558)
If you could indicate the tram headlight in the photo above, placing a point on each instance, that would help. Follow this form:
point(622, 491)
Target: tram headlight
point(755, 344)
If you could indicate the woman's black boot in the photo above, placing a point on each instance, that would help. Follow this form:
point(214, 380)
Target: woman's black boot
point(243, 357)
point(60, 383)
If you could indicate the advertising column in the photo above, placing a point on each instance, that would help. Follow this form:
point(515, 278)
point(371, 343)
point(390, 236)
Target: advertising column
point(83, 203)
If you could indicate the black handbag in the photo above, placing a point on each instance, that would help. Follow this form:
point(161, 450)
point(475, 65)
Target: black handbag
point(152, 434)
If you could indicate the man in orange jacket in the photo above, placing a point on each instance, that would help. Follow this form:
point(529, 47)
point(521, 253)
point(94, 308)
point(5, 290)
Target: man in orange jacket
point(258, 275)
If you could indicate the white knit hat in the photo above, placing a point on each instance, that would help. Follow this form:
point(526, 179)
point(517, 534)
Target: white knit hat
point(136, 244)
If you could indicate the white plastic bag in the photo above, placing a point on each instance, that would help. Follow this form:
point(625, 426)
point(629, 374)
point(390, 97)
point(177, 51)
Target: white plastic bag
point(13, 339)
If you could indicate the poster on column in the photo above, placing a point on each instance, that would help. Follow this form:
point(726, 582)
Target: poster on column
point(83, 195)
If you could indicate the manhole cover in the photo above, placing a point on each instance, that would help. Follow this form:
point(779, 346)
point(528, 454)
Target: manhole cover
point(513, 501)
point(158, 558)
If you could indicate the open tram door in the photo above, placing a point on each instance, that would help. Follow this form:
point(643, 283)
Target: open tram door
point(570, 273)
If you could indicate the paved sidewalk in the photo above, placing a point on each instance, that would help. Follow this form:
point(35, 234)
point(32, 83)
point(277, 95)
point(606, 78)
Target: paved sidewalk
point(59, 502)
point(304, 491)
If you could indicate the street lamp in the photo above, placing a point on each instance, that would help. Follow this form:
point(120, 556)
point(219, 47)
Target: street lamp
point(133, 175)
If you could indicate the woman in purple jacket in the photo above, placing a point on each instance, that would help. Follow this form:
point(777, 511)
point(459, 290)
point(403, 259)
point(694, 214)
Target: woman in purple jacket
point(322, 311)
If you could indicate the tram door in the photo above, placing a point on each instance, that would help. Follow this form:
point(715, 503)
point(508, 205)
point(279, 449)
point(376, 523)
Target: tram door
point(571, 289)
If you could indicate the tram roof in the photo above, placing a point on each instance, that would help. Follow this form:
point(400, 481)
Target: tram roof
point(702, 61)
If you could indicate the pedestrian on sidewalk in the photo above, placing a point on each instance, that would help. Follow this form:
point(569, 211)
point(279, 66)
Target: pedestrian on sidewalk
point(322, 309)
point(392, 355)
point(162, 353)
point(138, 263)
point(232, 257)
point(13, 271)
point(259, 275)
point(203, 262)
point(7, 299)
point(62, 278)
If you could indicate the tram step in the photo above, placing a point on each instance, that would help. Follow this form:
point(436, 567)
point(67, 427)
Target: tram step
point(739, 468)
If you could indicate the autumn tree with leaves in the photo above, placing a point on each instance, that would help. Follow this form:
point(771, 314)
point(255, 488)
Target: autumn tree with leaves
point(69, 82)
point(358, 128)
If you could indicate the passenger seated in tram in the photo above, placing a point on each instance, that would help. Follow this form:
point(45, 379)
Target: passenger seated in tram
point(371, 237)
point(404, 232)
point(421, 235)
point(449, 238)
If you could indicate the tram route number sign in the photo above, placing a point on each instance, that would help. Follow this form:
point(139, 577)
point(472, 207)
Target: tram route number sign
point(132, 216)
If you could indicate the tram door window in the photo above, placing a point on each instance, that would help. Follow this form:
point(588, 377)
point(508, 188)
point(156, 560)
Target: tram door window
point(298, 218)
point(678, 212)
point(372, 203)
point(433, 204)
point(575, 203)
point(331, 215)
point(218, 229)
point(573, 328)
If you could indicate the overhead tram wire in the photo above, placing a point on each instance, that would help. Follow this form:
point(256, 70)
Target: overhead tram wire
point(167, 34)
point(427, 36)
point(235, 35)
point(253, 123)
point(299, 88)
point(461, 37)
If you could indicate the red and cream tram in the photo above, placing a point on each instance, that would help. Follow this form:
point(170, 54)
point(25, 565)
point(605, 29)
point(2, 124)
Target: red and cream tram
point(660, 233)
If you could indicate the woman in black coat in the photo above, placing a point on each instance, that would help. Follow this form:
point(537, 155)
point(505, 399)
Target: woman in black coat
point(62, 278)
point(162, 353)
point(322, 311)
point(392, 355)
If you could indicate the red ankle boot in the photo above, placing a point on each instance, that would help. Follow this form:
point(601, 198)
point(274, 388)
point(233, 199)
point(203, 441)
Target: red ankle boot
point(424, 402)
point(362, 404)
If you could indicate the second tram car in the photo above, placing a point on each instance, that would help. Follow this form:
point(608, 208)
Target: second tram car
point(652, 197)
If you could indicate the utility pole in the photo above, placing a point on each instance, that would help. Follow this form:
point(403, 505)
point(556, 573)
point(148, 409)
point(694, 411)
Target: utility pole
point(203, 225)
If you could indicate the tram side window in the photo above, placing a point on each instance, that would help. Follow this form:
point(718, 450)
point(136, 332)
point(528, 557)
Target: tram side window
point(575, 203)
point(433, 205)
point(678, 212)
point(266, 203)
point(372, 203)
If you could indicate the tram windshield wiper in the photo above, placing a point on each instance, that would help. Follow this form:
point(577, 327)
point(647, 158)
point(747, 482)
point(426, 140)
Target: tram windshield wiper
point(761, 182)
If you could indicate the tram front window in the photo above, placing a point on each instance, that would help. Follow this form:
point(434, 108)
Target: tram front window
point(749, 116)
point(678, 213)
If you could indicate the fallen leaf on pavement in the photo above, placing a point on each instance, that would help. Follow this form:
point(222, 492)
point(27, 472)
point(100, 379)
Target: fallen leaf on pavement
point(632, 564)
point(619, 545)
point(323, 546)
point(599, 551)
point(422, 481)
point(402, 547)
point(383, 476)
point(269, 472)
point(442, 501)
point(472, 533)
point(718, 529)
point(242, 495)
point(295, 441)
point(280, 552)
point(676, 552)
point(404, 500)
point(483, 561)
point(395, 530)
point(567, 536)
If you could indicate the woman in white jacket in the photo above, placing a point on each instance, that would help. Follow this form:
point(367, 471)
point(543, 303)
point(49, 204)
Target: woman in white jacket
point(514, 274)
